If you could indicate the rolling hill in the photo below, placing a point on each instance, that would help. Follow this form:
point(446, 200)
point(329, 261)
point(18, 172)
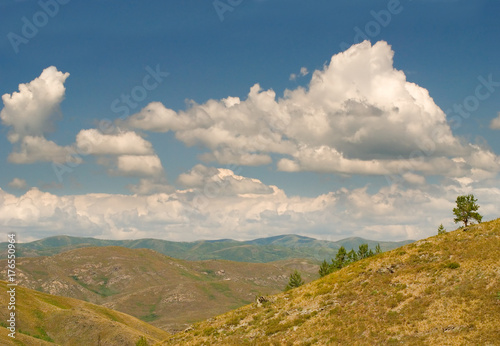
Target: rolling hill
point(444, 290)
point(261, 250)
point(43, 319)
point(166, 292)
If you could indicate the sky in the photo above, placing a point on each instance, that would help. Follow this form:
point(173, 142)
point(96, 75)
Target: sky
point(186, 120)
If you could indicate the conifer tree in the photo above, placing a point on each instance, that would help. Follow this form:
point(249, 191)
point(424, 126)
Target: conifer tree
point(294, 281)
point(363, 251)
point(441, 229)
point(352, 256)
point(341, 256)
point(324, 269)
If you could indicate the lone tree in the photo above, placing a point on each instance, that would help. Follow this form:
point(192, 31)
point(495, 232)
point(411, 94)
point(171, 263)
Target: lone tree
point(466, 210)
point(441, 229)
point(142, 342)
point(294, 281)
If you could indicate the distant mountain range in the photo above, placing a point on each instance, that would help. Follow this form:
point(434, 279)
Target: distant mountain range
point(261, 250)
point(166, 292)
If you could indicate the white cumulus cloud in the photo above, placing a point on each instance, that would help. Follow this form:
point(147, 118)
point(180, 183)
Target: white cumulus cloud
point(358, 115)
point(495, 123)
point(38, 149)
point(94, 142)
point(31, 111)
point(222, 181)
point(139, 165)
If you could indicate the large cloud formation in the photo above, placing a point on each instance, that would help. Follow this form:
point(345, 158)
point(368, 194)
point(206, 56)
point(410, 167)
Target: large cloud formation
point(31, 113)
point(32, 110)
point(359, 115)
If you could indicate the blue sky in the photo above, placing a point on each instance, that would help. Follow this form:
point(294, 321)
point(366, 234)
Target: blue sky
point(332, 145)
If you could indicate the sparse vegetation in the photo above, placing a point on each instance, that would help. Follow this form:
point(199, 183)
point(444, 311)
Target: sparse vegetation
point(437, 291)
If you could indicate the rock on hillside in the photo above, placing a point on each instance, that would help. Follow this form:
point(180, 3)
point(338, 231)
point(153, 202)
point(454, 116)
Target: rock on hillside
point(444, 290)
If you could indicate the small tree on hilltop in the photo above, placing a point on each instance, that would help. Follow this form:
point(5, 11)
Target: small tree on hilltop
point(341, 257)
point(294, 281)
point(352, 256)
point(441, 229)
point(466, 210)
point(324, 269)
point(363, 251)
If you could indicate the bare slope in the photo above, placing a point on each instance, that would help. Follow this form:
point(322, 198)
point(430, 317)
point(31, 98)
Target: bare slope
point(166, 292)
point(43, 319)
point(444, 290)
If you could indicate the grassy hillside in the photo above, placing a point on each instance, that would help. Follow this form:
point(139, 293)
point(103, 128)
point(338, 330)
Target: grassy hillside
point(261, 250)
point(166, 292)
point(43, 319)
point(444, 290)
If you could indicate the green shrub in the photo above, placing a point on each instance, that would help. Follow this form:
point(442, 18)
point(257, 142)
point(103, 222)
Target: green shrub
point(453, 265)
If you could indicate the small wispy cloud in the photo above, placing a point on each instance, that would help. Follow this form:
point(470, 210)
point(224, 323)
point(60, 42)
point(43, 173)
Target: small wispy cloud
point(19, 184)
point(495, 123)
point(303, 72)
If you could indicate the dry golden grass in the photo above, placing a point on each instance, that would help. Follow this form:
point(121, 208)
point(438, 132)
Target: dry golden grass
point(43, 319)
point(444, 290)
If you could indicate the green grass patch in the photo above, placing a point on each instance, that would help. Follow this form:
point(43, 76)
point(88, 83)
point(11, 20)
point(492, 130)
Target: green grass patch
point(149, 317)
point(452, 265)
point(55, 302)
point(105, 312)
point(38, 314)
point(208, 293)
point(101, 290)
point(42, 335)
